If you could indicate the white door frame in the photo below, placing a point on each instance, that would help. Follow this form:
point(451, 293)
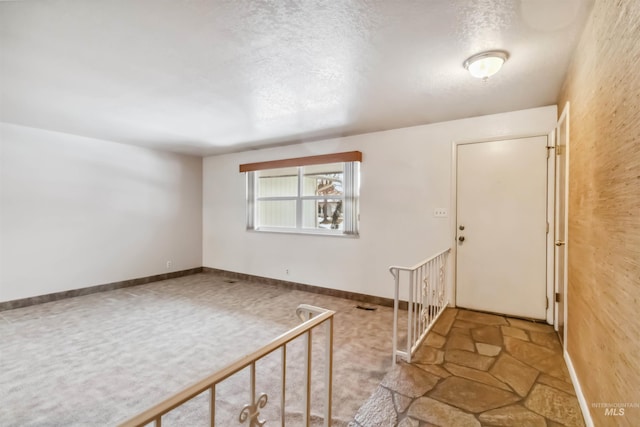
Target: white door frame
point(564, 117)
point(550, 215)
point(551, 224)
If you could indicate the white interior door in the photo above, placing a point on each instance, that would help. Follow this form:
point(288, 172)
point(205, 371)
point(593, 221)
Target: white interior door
point(502, 226)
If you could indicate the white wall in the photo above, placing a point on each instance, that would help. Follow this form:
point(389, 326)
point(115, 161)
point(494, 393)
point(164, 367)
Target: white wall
point(77, 212)
point(405, 174)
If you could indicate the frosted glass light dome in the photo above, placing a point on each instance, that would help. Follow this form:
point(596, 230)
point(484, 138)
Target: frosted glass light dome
point(485, 64)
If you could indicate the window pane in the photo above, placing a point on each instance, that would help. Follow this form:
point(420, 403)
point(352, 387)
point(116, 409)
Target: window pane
point(323, 214)
point(323, 180)
point(278, 182)
point(279, 213)
point(313, 198)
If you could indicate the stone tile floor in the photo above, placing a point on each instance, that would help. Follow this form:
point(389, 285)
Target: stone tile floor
point(478, 369)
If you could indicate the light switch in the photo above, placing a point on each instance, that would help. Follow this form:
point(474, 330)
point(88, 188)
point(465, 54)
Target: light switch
point(440, 212)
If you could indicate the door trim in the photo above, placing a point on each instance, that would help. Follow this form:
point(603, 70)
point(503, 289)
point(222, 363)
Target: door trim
point(551, 220)
point(454, 218)
point(564, 117)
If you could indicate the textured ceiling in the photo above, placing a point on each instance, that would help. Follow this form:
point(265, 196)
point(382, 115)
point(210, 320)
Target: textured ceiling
point(213, 76)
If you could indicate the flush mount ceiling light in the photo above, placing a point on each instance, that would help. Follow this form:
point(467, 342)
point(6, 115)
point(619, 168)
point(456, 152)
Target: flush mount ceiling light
point(486, 64)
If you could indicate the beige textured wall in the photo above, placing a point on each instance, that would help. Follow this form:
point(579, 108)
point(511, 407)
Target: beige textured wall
point(603, 87)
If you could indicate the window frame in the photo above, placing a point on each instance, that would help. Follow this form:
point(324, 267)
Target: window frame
point(350, 194)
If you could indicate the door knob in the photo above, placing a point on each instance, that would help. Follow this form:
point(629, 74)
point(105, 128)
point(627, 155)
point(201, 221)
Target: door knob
point(559, 243)
point(461, 227)
point(461, 238)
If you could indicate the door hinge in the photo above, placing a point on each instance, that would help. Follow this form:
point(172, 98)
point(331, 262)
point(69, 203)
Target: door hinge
point(549, 148)
point(547, 227)
point(557, 296)
point(559, 150)
point(547, 306)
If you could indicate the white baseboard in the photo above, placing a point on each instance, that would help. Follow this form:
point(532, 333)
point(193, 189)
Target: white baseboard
point(576, 385)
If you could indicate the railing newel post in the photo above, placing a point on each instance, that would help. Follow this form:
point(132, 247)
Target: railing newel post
point(212, 406)
point(284, 385)
point(410, 309)
point(307, 378)
point(395, 313)
point(328, 372)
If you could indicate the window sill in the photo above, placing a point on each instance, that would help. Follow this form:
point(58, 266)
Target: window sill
point(304, 233)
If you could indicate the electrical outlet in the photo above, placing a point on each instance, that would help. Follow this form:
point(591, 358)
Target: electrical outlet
point(440, 212)
point(286, 271)
point(169, 264)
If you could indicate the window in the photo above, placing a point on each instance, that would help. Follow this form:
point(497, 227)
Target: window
point(306, 195)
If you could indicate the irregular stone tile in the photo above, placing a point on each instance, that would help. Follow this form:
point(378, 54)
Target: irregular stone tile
point(409, 422)
point(565, 386)
point(488, 335)
point(475, 375)
point(510, 331)
point(527, 352)
point(446, 319)
point(457, 340)
point(435, 370)
point(472, 360)
point(378, 410)
point(514, 415)
point(463, 324)
point(401, 402)
point(409, 380)
point(428, 356)
point(438, 413)
point(488, 349)
point(530, 325)
point(547, 340)
point(484, 318)
point(555, 405)
point(434, 339)
point(461, 331)
point(470, 395)
point(554, 366)
point(515, 373)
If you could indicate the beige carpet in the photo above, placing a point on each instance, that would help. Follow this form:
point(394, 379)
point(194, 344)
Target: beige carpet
point(99, 359)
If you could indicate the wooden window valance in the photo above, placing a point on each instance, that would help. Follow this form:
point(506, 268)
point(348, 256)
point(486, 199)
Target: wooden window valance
point(349, 156)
